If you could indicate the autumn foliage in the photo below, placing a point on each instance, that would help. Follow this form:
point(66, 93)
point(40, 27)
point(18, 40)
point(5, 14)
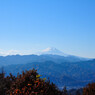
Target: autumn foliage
point(89, 89)
point(27, 83)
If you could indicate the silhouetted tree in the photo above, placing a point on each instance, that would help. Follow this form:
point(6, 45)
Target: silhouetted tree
point(2, 82)
point(5, 82)
point(64, 91)
point(78, 92)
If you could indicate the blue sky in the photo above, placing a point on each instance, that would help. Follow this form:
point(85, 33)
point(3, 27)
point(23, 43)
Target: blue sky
point(32, 25)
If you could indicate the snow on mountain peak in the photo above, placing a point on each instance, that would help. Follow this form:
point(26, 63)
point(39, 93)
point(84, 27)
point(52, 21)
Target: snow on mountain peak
point(49, 49)
point(52, 51)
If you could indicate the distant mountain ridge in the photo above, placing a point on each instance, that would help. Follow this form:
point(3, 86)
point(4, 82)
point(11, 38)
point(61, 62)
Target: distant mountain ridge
point(23, 59)
point(47, 51)
point(62, 69)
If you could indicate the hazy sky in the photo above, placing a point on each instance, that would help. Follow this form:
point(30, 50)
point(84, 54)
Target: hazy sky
point(32, 25)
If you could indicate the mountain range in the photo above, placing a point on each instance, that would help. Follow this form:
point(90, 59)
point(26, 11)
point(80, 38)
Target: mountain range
point(49, 54)
point(60, 68)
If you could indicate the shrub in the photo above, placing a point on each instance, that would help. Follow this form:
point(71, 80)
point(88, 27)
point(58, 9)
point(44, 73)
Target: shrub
point(89, 89)
point(29, 83)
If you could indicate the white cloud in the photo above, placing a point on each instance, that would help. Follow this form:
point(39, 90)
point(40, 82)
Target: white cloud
point(15, 52)
point(8, 52)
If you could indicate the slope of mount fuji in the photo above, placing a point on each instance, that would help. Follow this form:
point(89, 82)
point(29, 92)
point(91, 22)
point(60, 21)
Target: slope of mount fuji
point(52, 51)
point(55, 53)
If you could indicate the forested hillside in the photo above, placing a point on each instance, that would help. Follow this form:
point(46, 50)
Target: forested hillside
point(70, 74)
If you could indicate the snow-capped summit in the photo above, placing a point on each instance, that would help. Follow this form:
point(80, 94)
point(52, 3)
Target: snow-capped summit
point(52, 51)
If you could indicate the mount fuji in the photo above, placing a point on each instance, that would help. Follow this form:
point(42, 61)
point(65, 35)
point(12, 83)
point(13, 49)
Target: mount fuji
point(55, 52)
point(52, 51)
point(48, 54)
